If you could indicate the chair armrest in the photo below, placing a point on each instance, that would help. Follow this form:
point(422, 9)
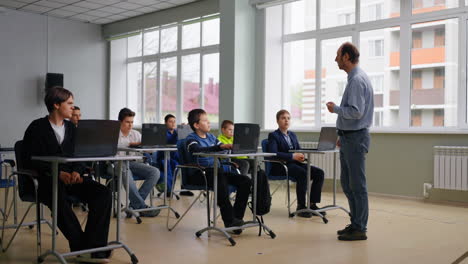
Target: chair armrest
point(280, 162)
point(230, 163)
point(192, 166)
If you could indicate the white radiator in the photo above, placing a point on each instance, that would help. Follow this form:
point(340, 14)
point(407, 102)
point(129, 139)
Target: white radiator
point(324, 161)
point(451, 167)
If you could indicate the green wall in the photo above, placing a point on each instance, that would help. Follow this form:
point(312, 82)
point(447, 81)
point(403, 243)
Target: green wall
point(399, 164)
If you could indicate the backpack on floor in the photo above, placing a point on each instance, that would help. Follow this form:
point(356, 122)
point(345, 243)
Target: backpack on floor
point(263, 197)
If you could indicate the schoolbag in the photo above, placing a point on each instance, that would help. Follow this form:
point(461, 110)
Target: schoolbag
point(263, 197)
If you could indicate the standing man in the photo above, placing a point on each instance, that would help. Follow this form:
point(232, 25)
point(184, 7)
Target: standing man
point(355, 115)
point(76, 115)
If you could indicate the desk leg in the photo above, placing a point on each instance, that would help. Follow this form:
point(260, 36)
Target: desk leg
point(254, 195)
point(119, 187)
point(55, 173)
point(215, 190)
point(166, 158)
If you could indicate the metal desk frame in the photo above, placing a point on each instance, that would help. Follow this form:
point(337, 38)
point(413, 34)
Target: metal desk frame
point(254, 222)
point(333, 206)
point(55, 160)
point(167, 157)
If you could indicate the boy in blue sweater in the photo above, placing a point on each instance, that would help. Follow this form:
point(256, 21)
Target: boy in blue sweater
point(203, 141)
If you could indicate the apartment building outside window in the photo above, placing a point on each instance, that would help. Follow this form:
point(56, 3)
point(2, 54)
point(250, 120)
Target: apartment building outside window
point(420, 94)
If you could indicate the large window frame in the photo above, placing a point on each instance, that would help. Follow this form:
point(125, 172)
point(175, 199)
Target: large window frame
point(404, 22)
point(178, 53)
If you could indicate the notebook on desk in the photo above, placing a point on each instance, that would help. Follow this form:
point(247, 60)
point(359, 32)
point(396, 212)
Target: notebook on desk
point(153, 136)
point(246, 138)
point(96, 138)
point(327, 139)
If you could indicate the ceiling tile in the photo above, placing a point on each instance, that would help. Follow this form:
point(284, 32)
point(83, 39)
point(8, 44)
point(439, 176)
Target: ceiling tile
point(105, 2)
point(163, 5)
point(111, 9)
point(27, 1)
point(116, 17)
point(128, 6)
point(145, 2)
point(11, 4)
point(102, 21)
point(83, 17)
point(146, 9)
point(61, 13)
point(36, 8)
point(66, 1)
point(87, 4)
point(49, 4)
point(180, 2)
point(75, 9)
point(131, 13)
point(98, 13)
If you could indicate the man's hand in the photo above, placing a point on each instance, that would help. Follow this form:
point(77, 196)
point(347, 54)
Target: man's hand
point(65, 177)
point(76, 177)
point(70, 178)
point(330, 106)
point(226, 146)
point(338, 143)
point(298, 156)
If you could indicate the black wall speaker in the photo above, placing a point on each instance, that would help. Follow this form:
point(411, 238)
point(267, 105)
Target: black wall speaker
point(53, 79)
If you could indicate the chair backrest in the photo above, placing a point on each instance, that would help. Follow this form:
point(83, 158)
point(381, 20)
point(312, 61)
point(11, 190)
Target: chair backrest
point(184, 158)
point(265, 149)
point(27, 192)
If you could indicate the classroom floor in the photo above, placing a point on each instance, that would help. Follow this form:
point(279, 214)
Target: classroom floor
point(399, 231)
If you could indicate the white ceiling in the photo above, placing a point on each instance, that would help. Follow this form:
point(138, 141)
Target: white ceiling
point(92, 11)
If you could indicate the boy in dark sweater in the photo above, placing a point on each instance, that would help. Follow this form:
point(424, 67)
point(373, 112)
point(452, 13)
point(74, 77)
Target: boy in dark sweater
point(203, 141)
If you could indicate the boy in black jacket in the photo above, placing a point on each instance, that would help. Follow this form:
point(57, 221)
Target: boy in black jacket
point(52, 135)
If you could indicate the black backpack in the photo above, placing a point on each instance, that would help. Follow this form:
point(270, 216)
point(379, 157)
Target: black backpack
point(263, 197)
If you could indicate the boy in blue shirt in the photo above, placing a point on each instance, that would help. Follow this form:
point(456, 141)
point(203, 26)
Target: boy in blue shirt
point(203, 141)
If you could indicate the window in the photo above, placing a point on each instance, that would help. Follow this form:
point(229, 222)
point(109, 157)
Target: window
point(191, 83)
point(300, 16)
point(134, 92)
point(425, 6)
point(211, 86)
point(434, 87)
point(334, 76)
point(150, 98)
point(210, 32)
point(165, 74)
point(336, 13)
point(376, 48)
point(191, 35)
point(134, 46)
point(439, 39)
point(414, 71)
point(372, 10)
point(151, 45)
point(383, 71)
point(169, 39)
point(299, 80)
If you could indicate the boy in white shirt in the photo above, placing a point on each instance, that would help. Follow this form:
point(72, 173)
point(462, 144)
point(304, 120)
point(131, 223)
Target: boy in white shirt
point(137, 170)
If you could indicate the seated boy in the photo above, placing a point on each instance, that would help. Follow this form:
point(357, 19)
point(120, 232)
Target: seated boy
point(203, 141)
point(53, 135)
point(172, 137)
point(227, 137)
point(137, 170)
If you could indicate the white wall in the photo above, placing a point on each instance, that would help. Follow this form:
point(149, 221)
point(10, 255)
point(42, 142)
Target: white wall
point(32, 45)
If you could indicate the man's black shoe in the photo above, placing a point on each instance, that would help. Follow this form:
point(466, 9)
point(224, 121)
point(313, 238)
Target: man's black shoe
point(235, 222)
point(315, 207)
point(304, 214)
point(186, 193)
point(347, 229)
point(353, 235)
